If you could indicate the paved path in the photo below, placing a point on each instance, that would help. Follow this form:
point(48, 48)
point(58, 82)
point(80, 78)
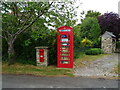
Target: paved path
point(27, 81)
point(101, 67)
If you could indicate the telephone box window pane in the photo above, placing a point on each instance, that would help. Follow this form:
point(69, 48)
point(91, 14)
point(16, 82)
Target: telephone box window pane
point(65, 62)
point(64, 43)
point(63, 36)
point(65, 58)
point(64, 40)
point(64, 51)
point(65, 47)
point(62, 54)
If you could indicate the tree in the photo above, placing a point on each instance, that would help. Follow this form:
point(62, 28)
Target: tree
point(90, 29)
point(19, 17)
point(92, 13)
point(110, 22)
point(62, 16)
point(77, 35)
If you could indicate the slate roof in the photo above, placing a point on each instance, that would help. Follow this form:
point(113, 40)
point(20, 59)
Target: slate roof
point(108, 34)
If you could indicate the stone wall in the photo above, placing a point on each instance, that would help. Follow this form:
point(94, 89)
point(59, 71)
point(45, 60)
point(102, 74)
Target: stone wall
point(106, 45)
point(108, 42)
point(114, 44)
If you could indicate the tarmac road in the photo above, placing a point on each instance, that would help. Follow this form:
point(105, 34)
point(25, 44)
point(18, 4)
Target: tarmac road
point(28, 81)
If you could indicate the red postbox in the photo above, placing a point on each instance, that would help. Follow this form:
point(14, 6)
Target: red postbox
point(41, 55)
point(65, 52)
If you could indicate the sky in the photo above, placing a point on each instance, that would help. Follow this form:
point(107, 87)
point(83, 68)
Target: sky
point(99, 5)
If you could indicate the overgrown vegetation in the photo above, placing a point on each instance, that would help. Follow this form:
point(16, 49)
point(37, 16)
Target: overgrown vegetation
point(90, 29)
point(34, 70)
point(93, 51)
point(118, 44)
point(116, 69)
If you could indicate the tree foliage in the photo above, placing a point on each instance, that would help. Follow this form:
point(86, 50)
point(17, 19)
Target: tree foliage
point(77, 36)
point(110, 22)
point(92, 13)
point(90, 29)
point(19, 17)
point(62, 16)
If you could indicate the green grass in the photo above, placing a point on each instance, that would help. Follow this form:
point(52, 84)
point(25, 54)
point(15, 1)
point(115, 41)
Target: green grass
point(35, 70)
point(116, 69)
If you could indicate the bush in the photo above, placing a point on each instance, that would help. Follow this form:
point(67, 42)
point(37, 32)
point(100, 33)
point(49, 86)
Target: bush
point(118, 44)
point(86, 42)
point(93, 51)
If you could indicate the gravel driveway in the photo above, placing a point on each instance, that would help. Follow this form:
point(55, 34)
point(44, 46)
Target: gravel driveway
point(100, 67)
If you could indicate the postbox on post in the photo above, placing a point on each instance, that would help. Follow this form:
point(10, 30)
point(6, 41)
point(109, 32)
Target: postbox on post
point(42, 56)
point(65, 52)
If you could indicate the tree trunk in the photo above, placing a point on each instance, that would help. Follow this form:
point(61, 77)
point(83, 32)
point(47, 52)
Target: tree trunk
point(11, 51)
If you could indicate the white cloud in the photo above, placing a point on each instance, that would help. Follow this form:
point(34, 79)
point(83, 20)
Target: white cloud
point(100, 5)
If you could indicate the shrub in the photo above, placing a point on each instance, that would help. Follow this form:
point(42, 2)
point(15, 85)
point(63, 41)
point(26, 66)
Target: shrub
point(86, 42)
point(93, 51)
point(118, 44)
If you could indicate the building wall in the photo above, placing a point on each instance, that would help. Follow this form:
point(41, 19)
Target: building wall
point(107, 44)
point(114, 44)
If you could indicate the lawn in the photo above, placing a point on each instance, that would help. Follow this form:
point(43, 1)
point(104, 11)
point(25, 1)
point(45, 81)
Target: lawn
point(35, 70)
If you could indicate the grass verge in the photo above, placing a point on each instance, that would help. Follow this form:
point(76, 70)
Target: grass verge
point(116, 70)
point(35, 70)
point(47, 71)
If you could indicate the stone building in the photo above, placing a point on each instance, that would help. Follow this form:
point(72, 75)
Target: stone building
point(108, 42)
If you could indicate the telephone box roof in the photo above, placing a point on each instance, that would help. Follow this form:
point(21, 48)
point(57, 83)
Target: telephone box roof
point(65, 27)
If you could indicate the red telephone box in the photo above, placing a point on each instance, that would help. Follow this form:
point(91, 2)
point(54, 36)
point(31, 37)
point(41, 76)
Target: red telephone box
point(65, 47)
